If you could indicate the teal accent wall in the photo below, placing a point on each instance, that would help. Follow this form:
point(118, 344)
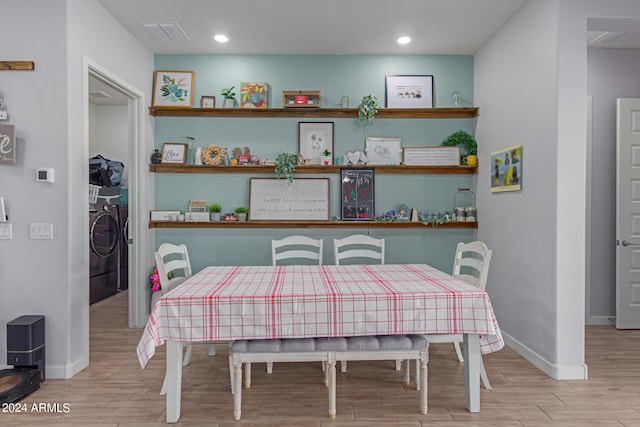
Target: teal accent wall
point(334, 76)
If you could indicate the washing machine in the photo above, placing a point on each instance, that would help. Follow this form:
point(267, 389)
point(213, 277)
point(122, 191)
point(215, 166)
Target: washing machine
point(104, 239)
point(123, 221)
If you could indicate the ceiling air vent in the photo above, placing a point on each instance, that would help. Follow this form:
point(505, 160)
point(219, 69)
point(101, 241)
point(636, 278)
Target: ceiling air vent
point(165, 31)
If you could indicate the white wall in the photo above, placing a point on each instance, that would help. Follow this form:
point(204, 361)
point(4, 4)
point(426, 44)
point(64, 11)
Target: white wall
point(109, 133)
point(50, 277)
point(516, 87)
point(531, 85)
point(611, 74)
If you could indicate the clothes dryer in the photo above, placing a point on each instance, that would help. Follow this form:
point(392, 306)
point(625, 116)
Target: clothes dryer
point(104, 239)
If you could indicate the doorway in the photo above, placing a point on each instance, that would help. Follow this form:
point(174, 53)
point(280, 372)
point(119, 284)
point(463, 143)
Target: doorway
point(94, 73)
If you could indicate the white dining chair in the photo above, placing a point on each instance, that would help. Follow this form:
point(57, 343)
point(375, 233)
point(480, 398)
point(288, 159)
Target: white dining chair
point(174, 267)
point(471, 264)
point(296, 249)
point(358, 248)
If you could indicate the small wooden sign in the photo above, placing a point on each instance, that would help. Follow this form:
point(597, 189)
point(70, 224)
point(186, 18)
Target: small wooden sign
point(7, 144)
point(17, 65)
point(174, 152)
point(432, 156)
point(304, 199)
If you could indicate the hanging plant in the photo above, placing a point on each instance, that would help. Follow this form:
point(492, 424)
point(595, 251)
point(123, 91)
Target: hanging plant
point(285, 165)
point(368, 109)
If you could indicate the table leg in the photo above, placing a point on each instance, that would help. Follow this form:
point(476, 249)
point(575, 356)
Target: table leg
point(472, 371)
point(174, 380)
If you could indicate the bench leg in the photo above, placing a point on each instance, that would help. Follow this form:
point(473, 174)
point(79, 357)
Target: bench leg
point(237, 388)
point(406, 371)
point(247, 375)
point(423, 385)
point(332, 385)
point(269, 367)
point(343, 366)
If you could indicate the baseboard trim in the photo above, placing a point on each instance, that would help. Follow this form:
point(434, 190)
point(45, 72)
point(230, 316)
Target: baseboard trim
point(558, 372)
point(601, 321)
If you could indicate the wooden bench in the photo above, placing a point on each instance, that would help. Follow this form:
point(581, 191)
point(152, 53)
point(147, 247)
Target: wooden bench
point(329, 351)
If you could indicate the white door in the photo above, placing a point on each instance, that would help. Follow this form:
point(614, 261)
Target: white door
point(628, 215)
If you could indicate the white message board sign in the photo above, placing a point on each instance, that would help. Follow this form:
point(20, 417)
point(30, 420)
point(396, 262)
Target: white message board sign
point(441, 156)
point(304, 199)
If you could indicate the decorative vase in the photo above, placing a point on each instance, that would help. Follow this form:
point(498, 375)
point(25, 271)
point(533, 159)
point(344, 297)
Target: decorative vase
point(156, 157)
point(214, 216)
point(471, 160)
point(228, 103)
point(242, 216)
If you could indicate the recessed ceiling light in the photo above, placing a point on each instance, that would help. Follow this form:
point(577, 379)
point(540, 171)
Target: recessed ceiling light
point(404, 40)
point(221, 38)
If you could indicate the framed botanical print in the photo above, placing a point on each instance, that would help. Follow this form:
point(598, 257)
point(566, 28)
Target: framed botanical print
point(173, 88)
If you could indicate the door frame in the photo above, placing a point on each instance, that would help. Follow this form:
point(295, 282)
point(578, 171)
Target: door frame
point(137, 237)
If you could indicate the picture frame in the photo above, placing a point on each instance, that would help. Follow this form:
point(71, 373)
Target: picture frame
point(7, 144)
point(313, 139)
point(383, 150)
point(303, 199)
point(506, 169)
point(409, 91)
point(208, 102)
point(431, 156)
point(173, 88)
point(357, 195)
point(174, 153)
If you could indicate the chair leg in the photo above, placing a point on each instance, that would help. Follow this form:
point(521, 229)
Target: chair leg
point(231, 373)
point(163, 390)
point(212, 350)
point(343, 366)
point(456, 345)
point(269, 367)
point(418, 369)
point(423, 385)
point(187, 356)
point(332, 386)
point(398, 364)
point(483, 376)
point(237, 395)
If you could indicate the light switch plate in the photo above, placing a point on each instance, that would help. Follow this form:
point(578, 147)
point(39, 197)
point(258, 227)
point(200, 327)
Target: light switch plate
point(3, 115)
point(41, 231)
point(5, 231)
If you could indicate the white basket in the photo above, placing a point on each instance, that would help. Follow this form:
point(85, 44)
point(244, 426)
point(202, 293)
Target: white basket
point(93, 193)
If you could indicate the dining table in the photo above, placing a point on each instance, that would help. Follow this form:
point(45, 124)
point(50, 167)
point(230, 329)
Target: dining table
point(227, 303)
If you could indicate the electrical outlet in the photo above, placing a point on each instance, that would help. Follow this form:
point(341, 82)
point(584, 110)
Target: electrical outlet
point(41, 231)
point(5, 231)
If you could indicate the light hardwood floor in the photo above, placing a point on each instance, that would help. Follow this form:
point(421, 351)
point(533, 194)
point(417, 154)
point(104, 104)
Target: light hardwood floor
point(114, 391)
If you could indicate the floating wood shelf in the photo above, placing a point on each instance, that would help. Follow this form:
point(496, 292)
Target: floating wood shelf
point(309, 224)
point(314, 169)
point(388, 113)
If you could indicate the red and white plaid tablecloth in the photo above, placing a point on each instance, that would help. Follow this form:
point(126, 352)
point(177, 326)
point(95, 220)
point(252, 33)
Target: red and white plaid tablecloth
point(257, 302)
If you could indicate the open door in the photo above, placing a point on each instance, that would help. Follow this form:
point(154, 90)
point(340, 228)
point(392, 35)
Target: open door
point(628, 214)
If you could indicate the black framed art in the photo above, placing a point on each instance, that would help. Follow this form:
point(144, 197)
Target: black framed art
point(357, 194)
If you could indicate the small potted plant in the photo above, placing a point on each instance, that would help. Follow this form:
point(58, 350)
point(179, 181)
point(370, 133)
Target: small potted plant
point(285, 165)
point(326, 158)
point(214, 211)
point(241, 213)
point(368, 109)
point(469, 144)
point(229, 97)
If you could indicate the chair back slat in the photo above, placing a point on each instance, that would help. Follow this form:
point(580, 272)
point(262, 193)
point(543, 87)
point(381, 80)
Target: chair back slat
point(358, 246)
point(296, 248)
point(172, 260)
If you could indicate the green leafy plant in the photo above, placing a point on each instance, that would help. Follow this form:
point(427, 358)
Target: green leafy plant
point(285, 165)
point(215, 207)
point(326, 152)
point(464, 139)
point(368, 109)
point(228, 93)
point(241, 209)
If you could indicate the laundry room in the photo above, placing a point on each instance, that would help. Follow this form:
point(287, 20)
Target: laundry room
point(108, 191)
